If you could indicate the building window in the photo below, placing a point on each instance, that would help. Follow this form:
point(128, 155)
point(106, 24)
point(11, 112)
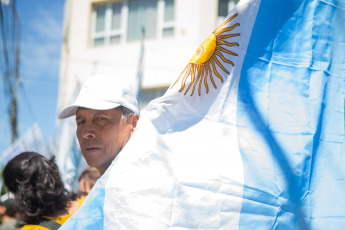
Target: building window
point(142, 18)
point(121, 21)
point(224, 7)
point(108, 23)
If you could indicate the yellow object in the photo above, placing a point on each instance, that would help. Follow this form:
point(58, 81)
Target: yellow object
point(61, 220)
point(205, 51)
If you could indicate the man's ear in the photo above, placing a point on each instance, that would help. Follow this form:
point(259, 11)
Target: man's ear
point(133, 120)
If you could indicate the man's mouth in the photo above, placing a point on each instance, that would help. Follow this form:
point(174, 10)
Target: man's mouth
point(91, 148)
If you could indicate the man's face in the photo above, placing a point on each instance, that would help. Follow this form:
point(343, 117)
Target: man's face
point(102, 134)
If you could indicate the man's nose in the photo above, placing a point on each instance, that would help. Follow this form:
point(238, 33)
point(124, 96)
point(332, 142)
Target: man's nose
point(88, 130)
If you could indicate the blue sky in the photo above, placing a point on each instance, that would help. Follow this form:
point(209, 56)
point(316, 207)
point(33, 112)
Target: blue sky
point(41, 40)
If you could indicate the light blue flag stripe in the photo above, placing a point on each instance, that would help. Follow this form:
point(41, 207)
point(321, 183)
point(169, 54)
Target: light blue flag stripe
point(90, 215)
point(291, 105)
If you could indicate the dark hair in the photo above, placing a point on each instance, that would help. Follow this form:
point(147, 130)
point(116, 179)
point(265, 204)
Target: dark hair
point(11, 207)
point(37, 185)
point(125, 112)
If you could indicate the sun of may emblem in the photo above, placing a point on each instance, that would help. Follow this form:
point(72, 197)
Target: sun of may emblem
point(203, 63)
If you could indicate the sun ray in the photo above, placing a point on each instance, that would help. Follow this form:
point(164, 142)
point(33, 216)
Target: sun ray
point(219, 54)
point(220, 65)
point(185, 77)
point(219, 48)
point(180, 76)
point(228, 43)
point(210, 70)
point(221, 37)
point(205, 80)
point(202, 76)
point(215, 70)
point(226, 21)
point(197, 79)
point(192, 78)
point(227, 29)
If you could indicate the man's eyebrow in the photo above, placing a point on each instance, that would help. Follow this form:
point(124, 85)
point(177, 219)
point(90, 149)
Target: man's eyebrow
point(95, 114)
point(100, 112)
point(77, 117)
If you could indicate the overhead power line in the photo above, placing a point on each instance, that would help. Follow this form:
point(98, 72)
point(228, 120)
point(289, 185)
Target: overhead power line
point(10, 58)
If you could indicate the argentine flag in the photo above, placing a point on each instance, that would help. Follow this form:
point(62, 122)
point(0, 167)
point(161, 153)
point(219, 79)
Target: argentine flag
point(249, 136)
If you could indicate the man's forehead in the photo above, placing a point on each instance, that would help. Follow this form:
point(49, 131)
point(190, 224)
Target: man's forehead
point(81, 110)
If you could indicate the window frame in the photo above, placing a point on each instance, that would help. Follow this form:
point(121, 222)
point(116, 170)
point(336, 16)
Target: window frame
point(108, 32)
point(162, 25)
point(122, 31)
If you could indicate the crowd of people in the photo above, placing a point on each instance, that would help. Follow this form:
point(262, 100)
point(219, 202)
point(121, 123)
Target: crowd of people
point(106, 114)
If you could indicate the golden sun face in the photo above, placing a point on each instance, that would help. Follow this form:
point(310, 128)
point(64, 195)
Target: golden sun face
point(207, 57)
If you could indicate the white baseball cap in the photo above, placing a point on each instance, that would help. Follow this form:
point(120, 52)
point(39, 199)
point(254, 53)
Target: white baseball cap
point(101, 92)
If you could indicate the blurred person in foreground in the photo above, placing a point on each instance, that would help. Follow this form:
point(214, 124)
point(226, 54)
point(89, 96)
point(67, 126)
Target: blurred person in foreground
point(87, 180)
point(106, 115)
point(43, 202)
point(8, 214)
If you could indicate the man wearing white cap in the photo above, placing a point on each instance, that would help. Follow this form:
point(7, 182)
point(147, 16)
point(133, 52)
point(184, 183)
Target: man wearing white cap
point(106, 115)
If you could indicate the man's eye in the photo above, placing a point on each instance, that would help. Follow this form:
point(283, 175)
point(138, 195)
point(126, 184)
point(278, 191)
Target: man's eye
point(100, 118)
point(80, 122)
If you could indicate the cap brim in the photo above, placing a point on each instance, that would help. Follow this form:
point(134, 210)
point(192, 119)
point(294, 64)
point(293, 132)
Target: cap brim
point(70, 110)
